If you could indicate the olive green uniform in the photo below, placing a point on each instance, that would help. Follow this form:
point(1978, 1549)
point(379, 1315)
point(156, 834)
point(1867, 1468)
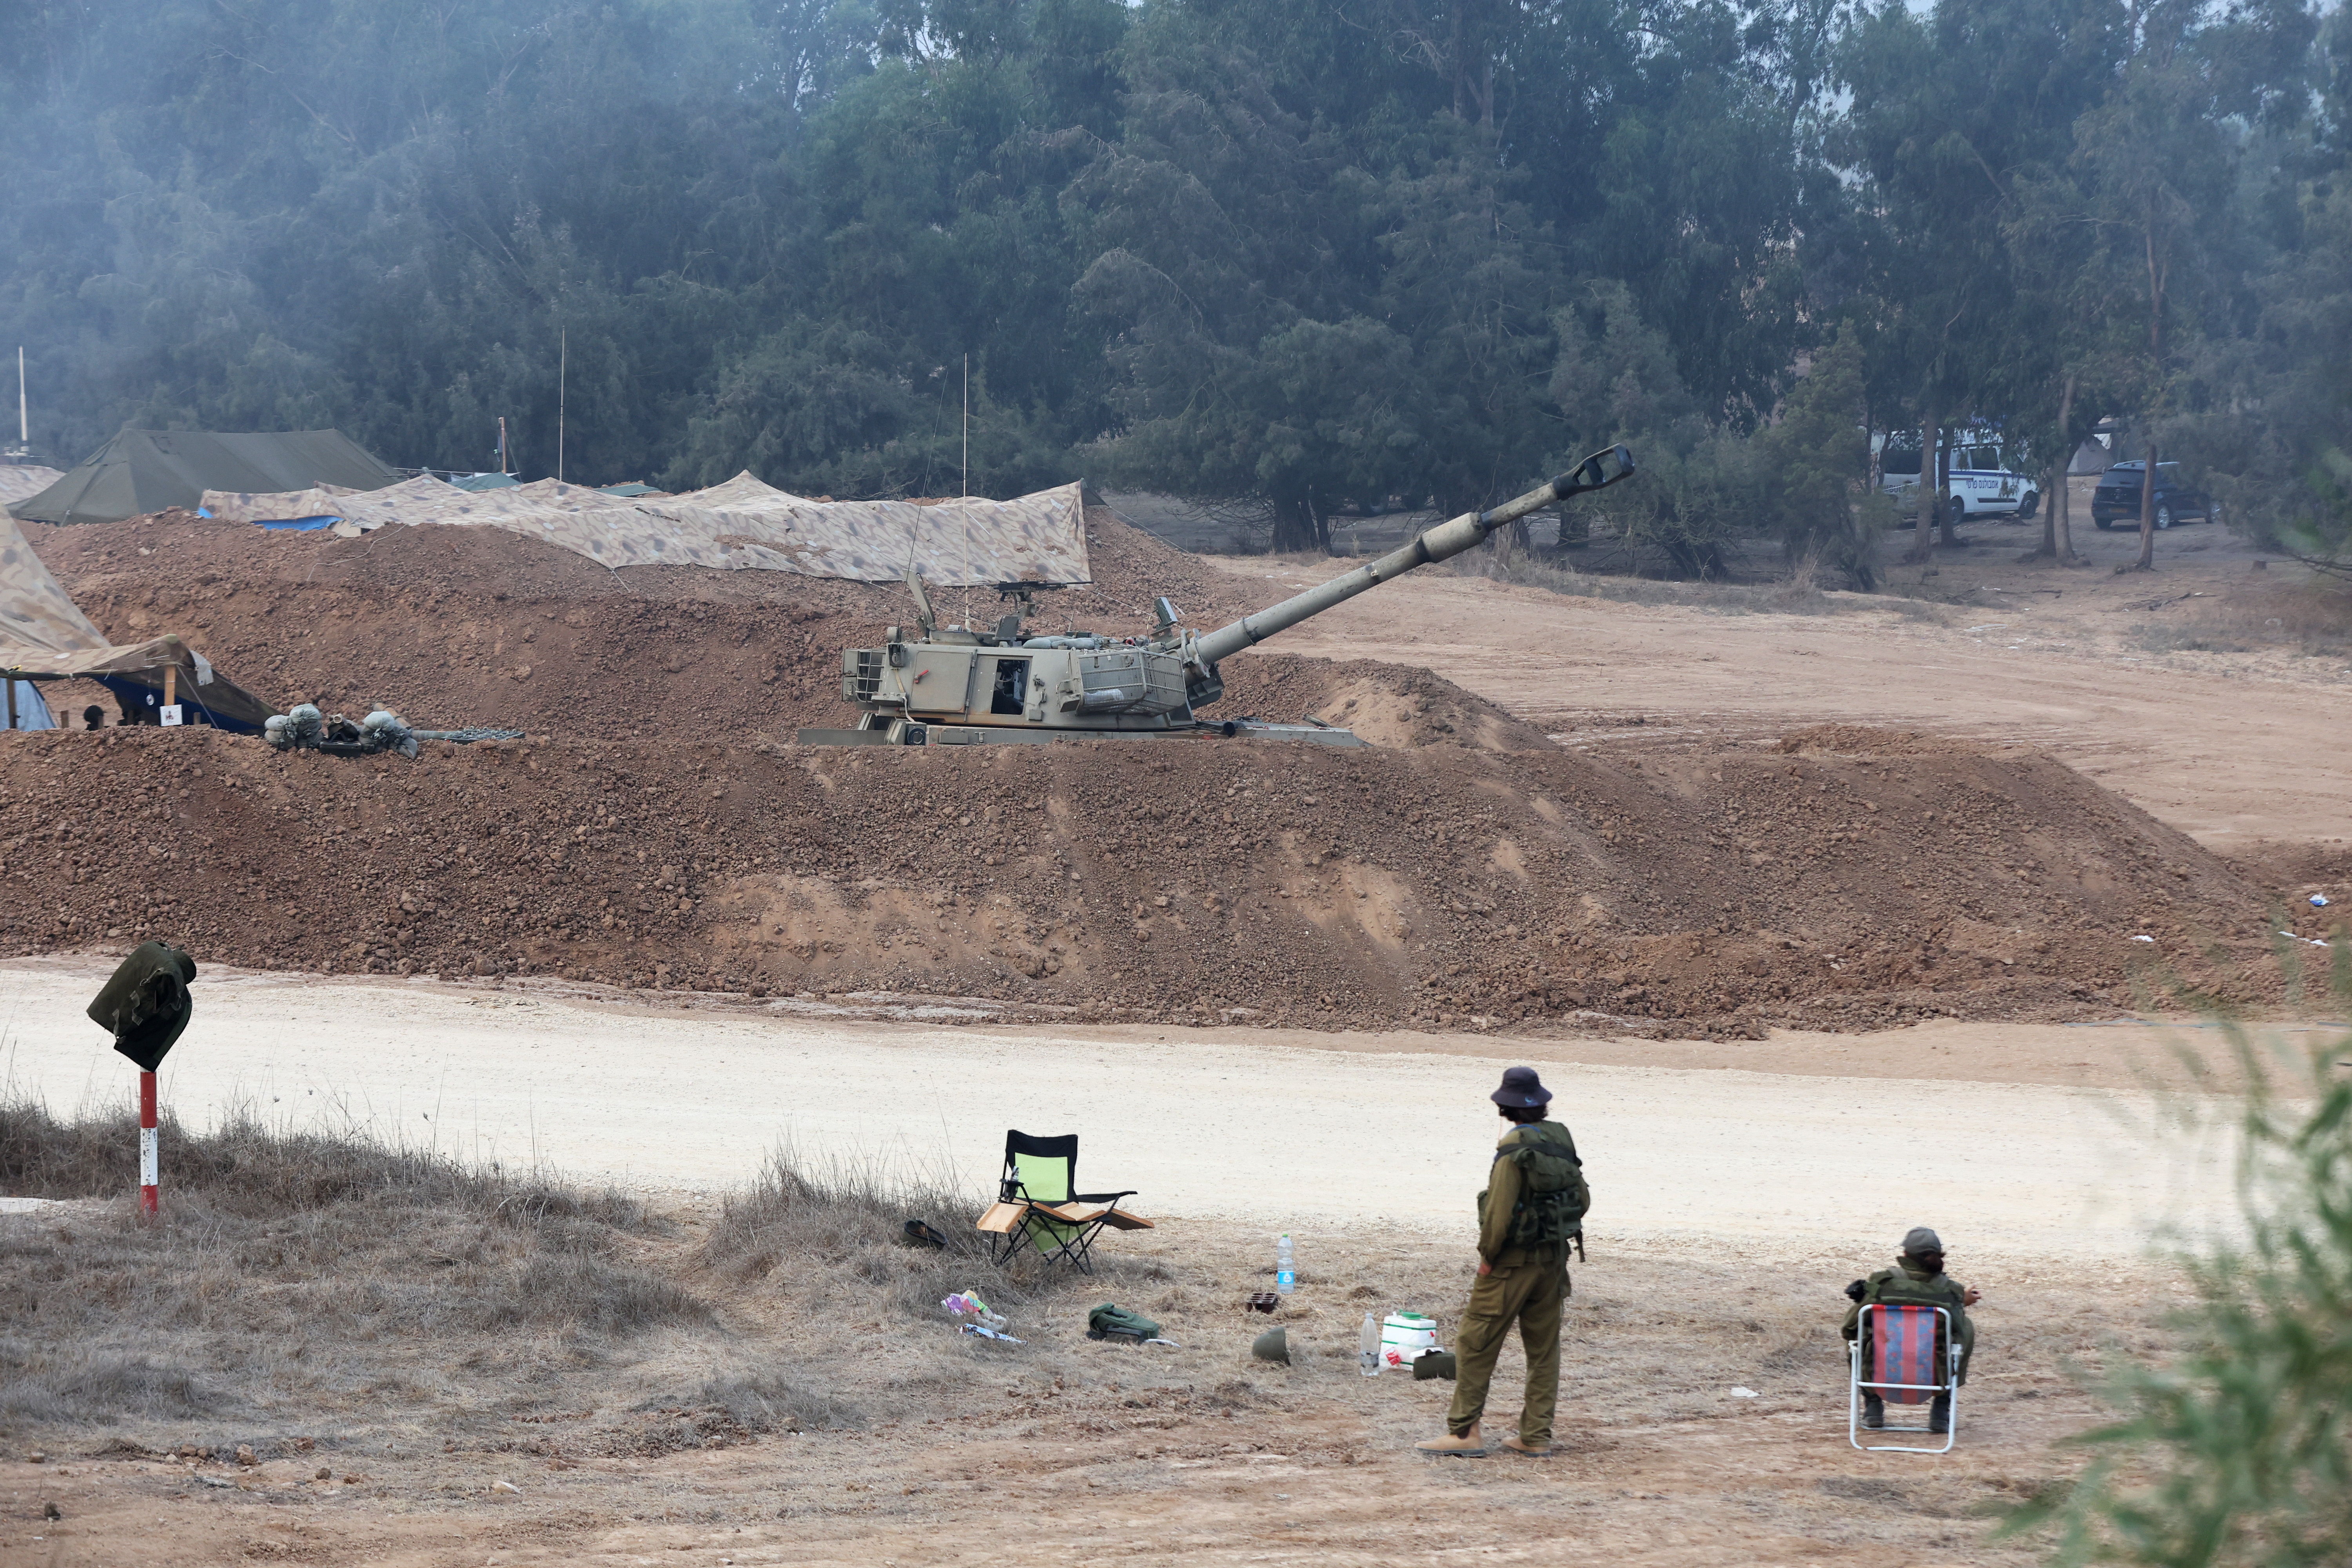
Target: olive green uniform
point(1908, 1284)
point(1526, 1285)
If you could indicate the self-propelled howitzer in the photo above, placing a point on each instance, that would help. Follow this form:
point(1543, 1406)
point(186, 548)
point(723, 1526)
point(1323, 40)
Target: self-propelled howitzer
point(951, 686)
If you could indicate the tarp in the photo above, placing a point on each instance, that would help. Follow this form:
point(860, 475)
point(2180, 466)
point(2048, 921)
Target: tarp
point(23, 708)
point(286, 506)
point(19, 480)
point(2091, 457)
point(140, 471)
point(742, 524)
point(44, 636)
point(35, 615)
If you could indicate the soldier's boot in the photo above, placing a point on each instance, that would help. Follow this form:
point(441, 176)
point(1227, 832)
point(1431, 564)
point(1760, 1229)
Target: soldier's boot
point(1518, 1445)
point(1939, 1414)
point(1873, 1412)
point(1468, 1446)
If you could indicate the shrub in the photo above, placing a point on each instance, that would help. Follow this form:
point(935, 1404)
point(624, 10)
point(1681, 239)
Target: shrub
point(2241, 1450)
point(846, 1221)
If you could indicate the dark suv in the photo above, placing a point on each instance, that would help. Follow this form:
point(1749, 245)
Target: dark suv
point(2117, 497)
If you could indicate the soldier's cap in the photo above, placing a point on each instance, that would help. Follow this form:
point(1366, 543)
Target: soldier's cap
point(1522, 1088)
point(1920, 1241)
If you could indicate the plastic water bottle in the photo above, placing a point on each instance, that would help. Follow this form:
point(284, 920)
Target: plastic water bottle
point(1286, 1275)
point(1368, 1359)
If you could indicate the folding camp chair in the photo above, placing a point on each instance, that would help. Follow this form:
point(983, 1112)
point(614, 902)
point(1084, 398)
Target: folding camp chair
point(1036, 1202)
point(1904, 1355)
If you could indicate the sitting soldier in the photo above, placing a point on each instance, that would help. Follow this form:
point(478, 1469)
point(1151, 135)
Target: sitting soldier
point(1916, 1280)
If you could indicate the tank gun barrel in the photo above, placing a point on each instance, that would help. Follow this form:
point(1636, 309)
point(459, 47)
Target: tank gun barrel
point(1441, 543)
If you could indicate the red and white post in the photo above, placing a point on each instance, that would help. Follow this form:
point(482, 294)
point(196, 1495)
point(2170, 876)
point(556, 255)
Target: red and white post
point(147, 1146)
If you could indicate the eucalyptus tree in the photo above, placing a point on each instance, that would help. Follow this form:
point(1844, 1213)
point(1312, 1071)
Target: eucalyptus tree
point(2156, 162)
point(1957, 114)
point(2262, 396)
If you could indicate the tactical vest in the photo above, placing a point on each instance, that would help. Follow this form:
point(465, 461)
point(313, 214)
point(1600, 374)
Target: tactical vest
point(1552, 1193)
point(1895, 1288)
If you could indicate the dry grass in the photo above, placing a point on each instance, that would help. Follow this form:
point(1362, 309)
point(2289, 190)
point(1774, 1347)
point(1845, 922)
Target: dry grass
point(319, 1284)
point(303, 1275)
point(833, 1236)
point(2304, 621)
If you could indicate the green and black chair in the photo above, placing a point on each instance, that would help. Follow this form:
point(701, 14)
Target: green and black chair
point(1038, 1203)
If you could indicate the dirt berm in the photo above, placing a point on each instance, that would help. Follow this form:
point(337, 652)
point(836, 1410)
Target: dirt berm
point(655, 830)
point(1851, 880)
point(476, 625)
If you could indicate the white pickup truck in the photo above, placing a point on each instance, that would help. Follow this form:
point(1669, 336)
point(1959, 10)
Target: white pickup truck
point(1981, 486)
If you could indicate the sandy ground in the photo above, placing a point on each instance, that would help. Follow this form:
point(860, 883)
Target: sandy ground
point(1703, 1422)
point(1731, 1142)
point(2230, 747)
point(1738, 1186)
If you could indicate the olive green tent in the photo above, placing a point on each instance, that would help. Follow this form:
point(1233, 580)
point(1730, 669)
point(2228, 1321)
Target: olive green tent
point(141, 471)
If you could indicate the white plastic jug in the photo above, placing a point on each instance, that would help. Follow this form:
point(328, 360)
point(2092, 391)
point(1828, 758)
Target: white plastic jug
point(1405, 1335)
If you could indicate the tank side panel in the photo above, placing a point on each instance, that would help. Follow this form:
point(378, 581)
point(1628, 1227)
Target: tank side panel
point(938, 679)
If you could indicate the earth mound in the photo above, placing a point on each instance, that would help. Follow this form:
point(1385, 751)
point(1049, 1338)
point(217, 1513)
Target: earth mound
point(476, 625)
point(1387, 704)
point(1828, 886)
point(654, 832)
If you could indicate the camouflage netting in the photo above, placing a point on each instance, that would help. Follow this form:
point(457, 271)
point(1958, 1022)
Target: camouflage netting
point(741, 524)
point(19, 480)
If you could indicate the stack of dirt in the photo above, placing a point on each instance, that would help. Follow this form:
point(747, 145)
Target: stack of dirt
point(1850, 879)
point(476, 625)
point(2293, 873)
point(1387, 704)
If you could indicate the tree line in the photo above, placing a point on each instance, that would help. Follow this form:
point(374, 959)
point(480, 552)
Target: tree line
point(1320, 253)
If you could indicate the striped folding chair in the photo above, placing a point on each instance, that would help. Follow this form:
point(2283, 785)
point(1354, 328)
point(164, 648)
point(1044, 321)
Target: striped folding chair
point(1904, 1355)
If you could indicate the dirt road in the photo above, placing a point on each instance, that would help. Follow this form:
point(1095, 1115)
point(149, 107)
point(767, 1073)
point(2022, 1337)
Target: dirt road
point(2233, 736)
point(1734, 1140)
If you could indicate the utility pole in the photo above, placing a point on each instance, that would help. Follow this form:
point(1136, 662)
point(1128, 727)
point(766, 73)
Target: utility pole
point(965, 506)
point(151, 1179)
point(562, 372)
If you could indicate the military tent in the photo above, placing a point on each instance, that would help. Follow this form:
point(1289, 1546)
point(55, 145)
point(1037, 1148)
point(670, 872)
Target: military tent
point(45, 636)
point(140, 472)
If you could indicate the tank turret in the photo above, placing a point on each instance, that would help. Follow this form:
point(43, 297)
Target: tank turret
point(963, 686)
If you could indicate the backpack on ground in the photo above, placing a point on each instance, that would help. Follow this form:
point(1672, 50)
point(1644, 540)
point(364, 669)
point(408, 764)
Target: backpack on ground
point(1111, 1321)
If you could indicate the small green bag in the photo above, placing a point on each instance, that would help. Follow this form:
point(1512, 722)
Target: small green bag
point(1114, 1322)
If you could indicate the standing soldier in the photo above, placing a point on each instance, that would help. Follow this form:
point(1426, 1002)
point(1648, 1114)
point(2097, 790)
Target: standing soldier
point(1533, 1206)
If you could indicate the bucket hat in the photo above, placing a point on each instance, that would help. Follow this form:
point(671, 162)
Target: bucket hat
point(1522, 1088)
